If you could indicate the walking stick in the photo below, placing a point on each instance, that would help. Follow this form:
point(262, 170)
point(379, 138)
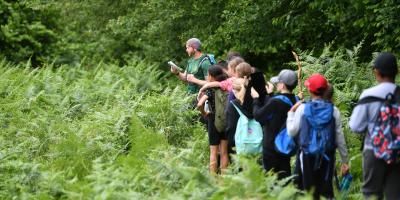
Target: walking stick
point(298, 74)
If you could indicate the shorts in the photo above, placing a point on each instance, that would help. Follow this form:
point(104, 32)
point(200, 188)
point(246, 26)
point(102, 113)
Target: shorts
point(214, 137)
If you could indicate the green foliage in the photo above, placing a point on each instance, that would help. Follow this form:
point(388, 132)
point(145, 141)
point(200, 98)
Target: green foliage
point(27, 32)
point(97, 133)
point(265, 32)
point(66, 116)
point(98, 123)
point(160, 114)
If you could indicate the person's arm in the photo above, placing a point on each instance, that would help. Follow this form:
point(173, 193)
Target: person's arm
point(181, 76)
point(192, 79)
point(225, 85)
point(213, 84)
point(339, 137)
point(358, 120)
point(341, 142)
point(294, 118)
point(200, 104)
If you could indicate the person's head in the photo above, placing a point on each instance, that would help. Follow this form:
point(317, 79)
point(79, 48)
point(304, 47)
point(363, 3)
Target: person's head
point(316, 85)
point(243, 69)
point(285, 81)
point(232, 54)
point(216, 73)
point(328, 94)
point(192, 46)
point(232, 65)
point(224, 65)
point(385, 67)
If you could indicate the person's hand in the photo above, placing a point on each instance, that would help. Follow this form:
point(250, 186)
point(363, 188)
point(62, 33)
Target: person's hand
point(294, 108)
point(200, 94)
point(300, 95)
point(344, 169)
point(254, 93)
point(269, 87)
point(174, 70)
point(190, 77)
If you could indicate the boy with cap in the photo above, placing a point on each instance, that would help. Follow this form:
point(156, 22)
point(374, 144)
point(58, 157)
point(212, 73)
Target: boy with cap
point(272, 116)
point(318, 127)
point(380, 179)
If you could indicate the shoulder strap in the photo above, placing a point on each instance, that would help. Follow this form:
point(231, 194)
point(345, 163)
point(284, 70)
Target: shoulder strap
point(237, 109)
point(206, 57)
point(285, 99)
point(370, 99)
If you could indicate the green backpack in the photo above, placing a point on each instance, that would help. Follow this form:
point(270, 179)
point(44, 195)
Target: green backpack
point(221, 100)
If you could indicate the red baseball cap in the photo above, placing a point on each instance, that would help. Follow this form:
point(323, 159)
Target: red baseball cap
point(316, 83)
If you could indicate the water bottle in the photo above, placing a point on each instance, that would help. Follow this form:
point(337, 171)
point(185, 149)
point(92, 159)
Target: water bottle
point(346, 181)
point(207, 108)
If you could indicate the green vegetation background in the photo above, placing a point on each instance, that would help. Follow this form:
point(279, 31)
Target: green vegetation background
point(88, 112)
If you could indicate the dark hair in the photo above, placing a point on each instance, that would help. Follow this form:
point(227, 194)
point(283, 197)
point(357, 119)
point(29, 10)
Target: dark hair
point(328, 94)
point(223, 64)
point(217, 72)
point(290, 87)
point(386, 64)
point(232, 54)
point(320, 92)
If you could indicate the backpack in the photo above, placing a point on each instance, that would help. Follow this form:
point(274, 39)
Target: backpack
point(221, 99)
point(284, 143)
point(248, 134)
point(385, 135)
point(209, 57)
point(317, 129)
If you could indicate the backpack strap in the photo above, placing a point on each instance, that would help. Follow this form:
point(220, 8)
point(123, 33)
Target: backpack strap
point(365, 100)
point(207, 57)
point(370, 99)
point(237, 109)
point(285, 99)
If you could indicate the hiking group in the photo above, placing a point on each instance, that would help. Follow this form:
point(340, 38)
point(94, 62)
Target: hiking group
point(245, 116)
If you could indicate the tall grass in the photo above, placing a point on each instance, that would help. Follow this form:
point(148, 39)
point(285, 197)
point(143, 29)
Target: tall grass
point(110, 132)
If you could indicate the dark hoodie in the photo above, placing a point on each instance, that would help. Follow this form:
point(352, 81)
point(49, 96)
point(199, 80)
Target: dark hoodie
point(272, 116)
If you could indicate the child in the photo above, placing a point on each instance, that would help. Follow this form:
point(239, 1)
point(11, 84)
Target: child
point(226, 85)
point(318, 125)
point(217, 140)
point(380, 179)
point(272, 116)
point(242, 102)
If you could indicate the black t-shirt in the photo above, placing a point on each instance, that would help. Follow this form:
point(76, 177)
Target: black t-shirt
point(211, 99)
point(272, 117)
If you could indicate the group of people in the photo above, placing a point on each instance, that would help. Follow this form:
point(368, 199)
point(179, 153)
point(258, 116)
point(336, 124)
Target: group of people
point(227, 90)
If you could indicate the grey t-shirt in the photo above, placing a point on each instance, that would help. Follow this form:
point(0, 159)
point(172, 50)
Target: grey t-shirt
point(364, 116)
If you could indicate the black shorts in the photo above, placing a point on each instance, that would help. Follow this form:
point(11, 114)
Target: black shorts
point(214, 137)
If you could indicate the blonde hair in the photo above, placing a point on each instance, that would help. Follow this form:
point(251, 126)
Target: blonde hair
point(234, 62)
point(244, 70)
